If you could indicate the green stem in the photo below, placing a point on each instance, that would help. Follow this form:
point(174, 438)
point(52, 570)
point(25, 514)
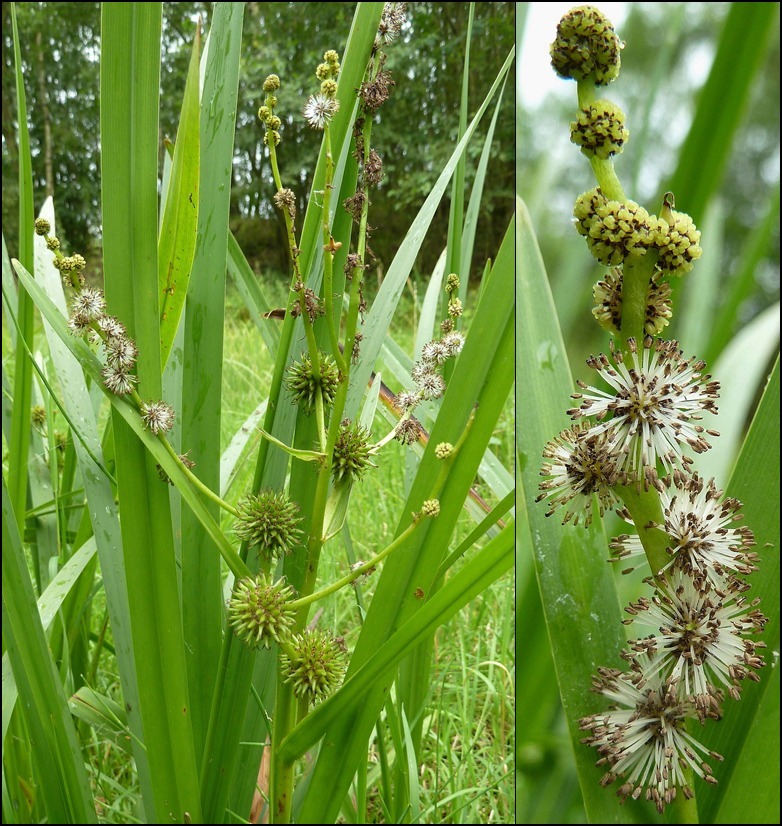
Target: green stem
point(297, 285)
point(682, 810)
point(281, 776)
point(328, 255)
point(191, 477)
point(356, 572)
point(351, 322)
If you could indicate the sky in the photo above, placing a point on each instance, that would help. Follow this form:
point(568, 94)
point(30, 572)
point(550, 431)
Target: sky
point(537, 80)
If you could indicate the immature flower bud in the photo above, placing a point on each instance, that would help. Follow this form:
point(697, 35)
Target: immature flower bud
point(270, 521)
point(443, 450)
point(678, 243)
point(613, 230)
point(452, 283)
point(38, 415)
point(328, 88)
point(42, 226)
point(275, 136)
point(600, 130)
point(586, 46)
point(259, 610)
point(52, 243)
point(264, 114)
point(271, 84)
point(315, 665)
point(304, 385)
point(332, 58)
point(431, 508)
point(351, 452)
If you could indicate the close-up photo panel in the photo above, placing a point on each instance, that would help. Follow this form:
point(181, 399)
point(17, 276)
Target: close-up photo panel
point(647, 413)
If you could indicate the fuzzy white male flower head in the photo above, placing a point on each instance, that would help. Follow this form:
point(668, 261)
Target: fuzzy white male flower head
point(703, 542)
point(581, 464)
point(656, 403)
point(158, 416)
point(644, 738)
point(700, 639)
point(319, 110)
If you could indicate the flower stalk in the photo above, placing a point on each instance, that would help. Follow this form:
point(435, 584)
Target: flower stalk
point(631, 444)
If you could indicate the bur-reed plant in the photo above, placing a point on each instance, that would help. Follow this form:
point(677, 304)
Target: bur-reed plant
point(697, 627)
point(238, 699)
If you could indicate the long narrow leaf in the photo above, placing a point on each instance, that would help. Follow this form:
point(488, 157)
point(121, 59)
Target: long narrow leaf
point(201, 415)
point(23, 371)
point(177, 242)
point(576, 585)
point(480, 383)
point(66, 792)
point(130, 86)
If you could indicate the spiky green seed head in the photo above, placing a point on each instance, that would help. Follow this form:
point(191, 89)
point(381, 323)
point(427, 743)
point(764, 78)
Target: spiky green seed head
point(315, 665)
point(351, 452)
point(259, 610)
point(270, 521)
point(305, 386)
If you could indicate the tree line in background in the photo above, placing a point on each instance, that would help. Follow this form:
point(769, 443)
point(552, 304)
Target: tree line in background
point(416, 133)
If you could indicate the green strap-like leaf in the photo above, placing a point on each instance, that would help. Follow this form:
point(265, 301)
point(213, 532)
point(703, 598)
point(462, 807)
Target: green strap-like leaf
point(63, 785)
point(576, 585)
point(177, 241)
